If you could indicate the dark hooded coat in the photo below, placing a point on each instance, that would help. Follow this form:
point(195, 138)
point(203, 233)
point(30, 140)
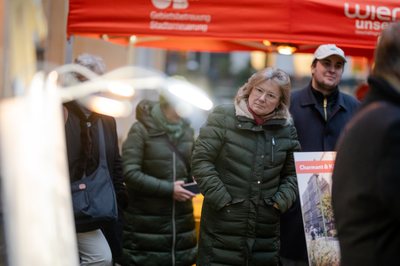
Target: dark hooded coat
point(158, 229)
point(243, 169)
point(366, 181)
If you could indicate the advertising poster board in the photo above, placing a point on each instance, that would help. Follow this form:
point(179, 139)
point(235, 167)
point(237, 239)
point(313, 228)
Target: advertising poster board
point(314, 176)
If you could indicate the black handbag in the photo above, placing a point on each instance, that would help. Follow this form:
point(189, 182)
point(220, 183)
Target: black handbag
point(93, 196)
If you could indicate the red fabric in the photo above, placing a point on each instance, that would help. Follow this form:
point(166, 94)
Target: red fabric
point(258, 119)
point(361, 91)
point(305, 23)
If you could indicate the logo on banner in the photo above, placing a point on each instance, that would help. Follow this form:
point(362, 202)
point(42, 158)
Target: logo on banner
point(370, 19)
point(177, 20)
point(176, 4)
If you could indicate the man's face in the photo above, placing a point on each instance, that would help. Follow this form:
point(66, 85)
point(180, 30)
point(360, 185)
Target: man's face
point(327, 73)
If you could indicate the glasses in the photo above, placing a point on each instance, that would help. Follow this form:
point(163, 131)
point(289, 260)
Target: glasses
point(258, 91)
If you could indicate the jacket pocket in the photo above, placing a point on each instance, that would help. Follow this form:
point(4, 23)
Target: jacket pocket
point(235, 201)
point(231, 215)
point(269, 203)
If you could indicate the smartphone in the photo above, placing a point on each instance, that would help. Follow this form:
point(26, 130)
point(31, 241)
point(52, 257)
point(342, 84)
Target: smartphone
point(192, 187)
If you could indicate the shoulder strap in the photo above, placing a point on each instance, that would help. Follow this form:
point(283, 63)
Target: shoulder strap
point(102, 142)
point(180, 155)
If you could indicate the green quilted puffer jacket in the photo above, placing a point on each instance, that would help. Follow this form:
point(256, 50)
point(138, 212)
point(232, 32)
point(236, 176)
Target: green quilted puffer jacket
point(157, 230)
point(243, 169)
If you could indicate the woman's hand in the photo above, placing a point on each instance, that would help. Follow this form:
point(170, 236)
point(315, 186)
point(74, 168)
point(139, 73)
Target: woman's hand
point(181, 194)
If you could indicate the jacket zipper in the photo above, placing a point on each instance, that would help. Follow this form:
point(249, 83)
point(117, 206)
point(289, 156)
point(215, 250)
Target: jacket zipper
point(325, 104)
point(173, 211)
point(272, 149)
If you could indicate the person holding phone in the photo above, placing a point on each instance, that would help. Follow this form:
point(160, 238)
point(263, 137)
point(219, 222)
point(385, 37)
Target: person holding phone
point(160, 226)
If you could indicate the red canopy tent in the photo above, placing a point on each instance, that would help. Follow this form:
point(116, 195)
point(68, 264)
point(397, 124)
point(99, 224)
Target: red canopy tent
point(220, 25)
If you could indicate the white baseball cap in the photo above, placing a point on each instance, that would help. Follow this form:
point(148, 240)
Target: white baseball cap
point(325, 50)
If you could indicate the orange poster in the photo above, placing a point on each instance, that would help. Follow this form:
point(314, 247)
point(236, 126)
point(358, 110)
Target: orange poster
point(314, 177)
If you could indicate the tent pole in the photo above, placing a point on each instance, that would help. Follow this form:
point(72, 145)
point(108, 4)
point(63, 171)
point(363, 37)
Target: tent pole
point(68, 50)
point(131, 50)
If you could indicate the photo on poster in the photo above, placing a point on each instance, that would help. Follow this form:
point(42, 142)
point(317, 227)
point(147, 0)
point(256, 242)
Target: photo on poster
point(314, 177)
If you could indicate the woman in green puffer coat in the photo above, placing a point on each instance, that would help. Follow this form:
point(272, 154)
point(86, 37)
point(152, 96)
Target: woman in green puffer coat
point(159, 227)
point(243, 163)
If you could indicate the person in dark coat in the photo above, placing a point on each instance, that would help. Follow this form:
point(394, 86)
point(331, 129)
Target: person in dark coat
point(82, 140)
point(243, 163)
point(366, 176)
point(160, 226)
point(320, 111)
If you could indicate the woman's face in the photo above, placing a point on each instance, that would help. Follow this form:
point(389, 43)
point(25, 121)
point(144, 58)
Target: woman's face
point(265, 97)
point(171, 114)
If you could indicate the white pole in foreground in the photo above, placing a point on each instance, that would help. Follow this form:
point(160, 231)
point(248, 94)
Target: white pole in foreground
point(39, 223)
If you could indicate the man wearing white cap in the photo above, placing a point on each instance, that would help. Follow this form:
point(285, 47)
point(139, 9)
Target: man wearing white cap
point(320, 112)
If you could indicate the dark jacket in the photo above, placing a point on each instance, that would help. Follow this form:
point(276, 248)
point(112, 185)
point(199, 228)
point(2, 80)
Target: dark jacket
point(366, 181)
point(315, 134)
point(243, 169)
point(158, 229)
point(83, 151)
point(83, 157)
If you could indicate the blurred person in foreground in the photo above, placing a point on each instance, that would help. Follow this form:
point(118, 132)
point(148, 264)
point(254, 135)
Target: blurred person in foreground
point(160, 227)
point(366, 177)
point(243, 163)
point(320, 111)
point(83, 147)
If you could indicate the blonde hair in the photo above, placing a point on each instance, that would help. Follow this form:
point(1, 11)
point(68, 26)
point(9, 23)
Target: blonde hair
point(280, 77)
